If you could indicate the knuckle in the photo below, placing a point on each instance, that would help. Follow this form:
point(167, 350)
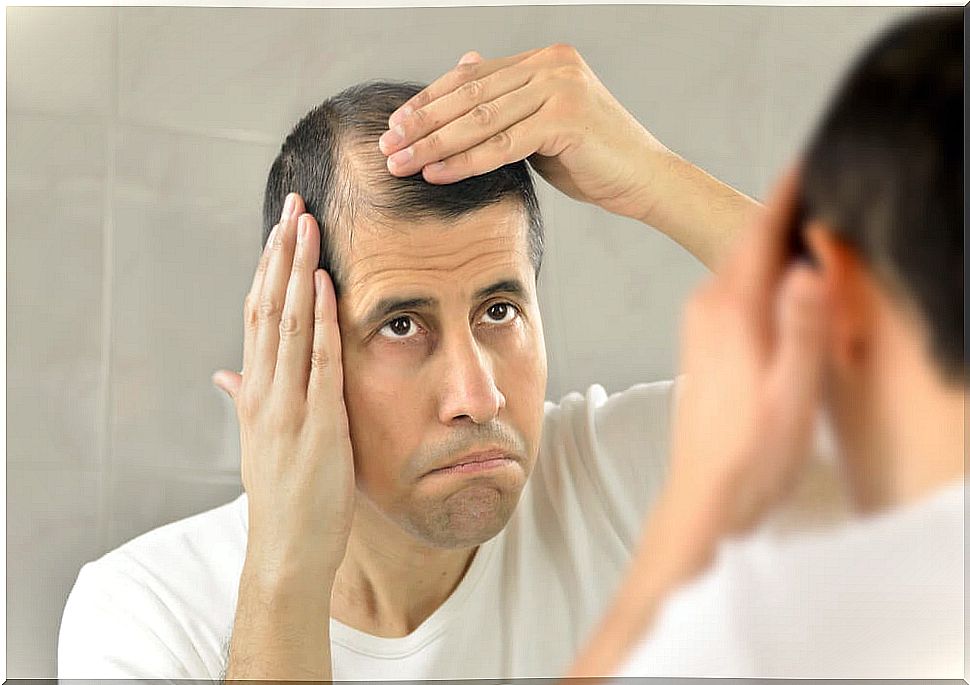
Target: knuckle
point(564, 52)
point(472, 91)
point(466, 70)
point(502, 141)
point(419, 101)
point(269, 308)
point(573, 74)
point(484, 114)
point(290, 325)
point(419, 118)
point(432, 143)
point(320, 359)
point(250, 312)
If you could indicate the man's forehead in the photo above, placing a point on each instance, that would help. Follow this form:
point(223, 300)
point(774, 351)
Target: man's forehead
point(495, 237)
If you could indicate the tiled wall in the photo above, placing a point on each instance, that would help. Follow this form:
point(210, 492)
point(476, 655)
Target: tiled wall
point(138, 140)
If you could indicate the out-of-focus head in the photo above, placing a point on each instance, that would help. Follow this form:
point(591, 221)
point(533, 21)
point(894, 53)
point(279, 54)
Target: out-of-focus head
point(442, 344)
point(882, 195)
point(884, 171)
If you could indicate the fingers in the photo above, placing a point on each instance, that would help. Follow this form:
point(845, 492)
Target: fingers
point(326, 374)
point(457, 120)
point(458, 76)
point(794, 377)
point(504, 146)
point(228, 381)
point(292, 205)
point(296, 322)
point(269, 303)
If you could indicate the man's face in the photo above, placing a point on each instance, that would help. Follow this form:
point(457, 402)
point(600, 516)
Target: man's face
point(443, 358)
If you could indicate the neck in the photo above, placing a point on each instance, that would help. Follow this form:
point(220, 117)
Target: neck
point(389, 582)
point(914, 444)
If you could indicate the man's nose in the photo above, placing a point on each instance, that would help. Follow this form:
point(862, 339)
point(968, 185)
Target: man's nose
point(468, 390)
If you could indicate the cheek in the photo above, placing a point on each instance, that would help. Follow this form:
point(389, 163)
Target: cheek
point(382, 425)
point(522, 379)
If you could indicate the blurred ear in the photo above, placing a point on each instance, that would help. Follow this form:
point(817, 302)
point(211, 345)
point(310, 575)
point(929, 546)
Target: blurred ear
point(849, 282)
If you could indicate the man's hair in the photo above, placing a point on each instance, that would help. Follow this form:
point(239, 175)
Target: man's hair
point(332, 160)
point(885, 169)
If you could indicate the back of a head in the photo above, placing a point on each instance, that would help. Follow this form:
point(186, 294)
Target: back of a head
point(332, 160)
point(885, 169)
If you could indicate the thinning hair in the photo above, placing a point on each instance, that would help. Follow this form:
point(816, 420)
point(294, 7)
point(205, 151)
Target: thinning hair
point(885, 170)
point(332, 160)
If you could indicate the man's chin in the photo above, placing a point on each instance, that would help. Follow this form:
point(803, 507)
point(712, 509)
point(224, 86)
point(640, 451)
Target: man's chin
point(471, 515)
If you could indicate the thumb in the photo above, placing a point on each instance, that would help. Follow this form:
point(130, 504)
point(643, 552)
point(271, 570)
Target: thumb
point(227, 381)
point(470, 57)
point(798, 364)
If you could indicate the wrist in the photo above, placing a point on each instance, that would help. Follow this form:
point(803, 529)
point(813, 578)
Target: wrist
point(276, 578)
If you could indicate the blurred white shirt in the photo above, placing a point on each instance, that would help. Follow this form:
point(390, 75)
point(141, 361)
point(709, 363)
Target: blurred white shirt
point(874, 597)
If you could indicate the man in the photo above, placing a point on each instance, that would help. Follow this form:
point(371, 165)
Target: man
point(413, 510)
point(875, 334)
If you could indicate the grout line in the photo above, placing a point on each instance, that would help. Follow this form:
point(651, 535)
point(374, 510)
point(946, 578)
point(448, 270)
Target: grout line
point(230, 135)
point(107, 300)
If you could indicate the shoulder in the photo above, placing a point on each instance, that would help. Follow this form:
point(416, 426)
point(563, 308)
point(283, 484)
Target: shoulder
point(210, 540)
point(159, 604)
point(871, 597)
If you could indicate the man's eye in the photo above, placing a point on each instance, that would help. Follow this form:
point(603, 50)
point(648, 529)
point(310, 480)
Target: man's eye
point(501, 312)
point(400, 328)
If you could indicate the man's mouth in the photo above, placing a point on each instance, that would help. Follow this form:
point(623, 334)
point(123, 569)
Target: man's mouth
point(475, 462)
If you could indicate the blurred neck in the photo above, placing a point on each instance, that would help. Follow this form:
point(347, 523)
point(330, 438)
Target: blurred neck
point(908, 425)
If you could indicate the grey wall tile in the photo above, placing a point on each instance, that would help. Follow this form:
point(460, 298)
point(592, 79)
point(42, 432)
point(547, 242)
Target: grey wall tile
point(226, 71)
point(55, 202)
point(140, 499)
point(807, 51)
point(52, 521)
point(61, 59)
point(187, 236)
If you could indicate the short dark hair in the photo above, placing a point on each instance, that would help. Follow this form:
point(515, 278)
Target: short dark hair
point(885, 169)
point(332, 160)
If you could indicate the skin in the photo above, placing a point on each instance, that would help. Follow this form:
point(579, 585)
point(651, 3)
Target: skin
point(777, 342)
point(348, 427)
point(547, 105)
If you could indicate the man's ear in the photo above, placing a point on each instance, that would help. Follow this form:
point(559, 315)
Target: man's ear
point(849, 282)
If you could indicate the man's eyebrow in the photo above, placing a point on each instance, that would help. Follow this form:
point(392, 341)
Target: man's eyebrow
point(389, 305)
point(510, 286)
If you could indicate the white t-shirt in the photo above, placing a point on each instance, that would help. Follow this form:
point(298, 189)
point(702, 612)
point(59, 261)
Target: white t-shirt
point(162, 605)
point(877, 597)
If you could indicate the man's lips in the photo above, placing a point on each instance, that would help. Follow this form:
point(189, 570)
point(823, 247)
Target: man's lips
point(475, 462)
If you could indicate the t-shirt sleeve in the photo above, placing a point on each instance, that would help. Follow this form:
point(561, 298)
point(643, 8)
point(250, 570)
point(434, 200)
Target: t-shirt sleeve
point(115, 627)
point(613, 450)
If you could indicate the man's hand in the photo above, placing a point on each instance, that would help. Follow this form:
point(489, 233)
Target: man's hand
point(543, 104)
point(753, 359)
point(548, 106)
point(297, 462)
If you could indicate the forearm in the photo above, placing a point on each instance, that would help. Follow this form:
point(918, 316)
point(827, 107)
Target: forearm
point(702, 214)
point(281, 630)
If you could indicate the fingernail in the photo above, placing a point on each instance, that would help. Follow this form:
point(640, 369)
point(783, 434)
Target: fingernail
point(391, 139)
point(399, 159)
point(401, 115)
point(437, 166)
point(288, 207)
point(301, 229)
